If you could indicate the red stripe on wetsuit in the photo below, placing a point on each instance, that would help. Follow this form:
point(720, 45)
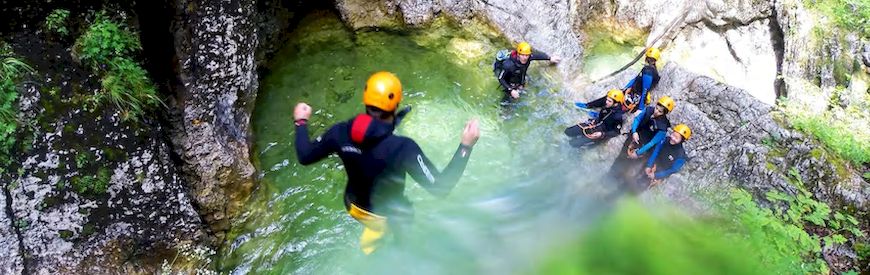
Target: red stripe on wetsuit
point(360, 126)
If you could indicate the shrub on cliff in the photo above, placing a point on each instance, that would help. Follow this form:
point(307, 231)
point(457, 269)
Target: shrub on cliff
point(11, 71)
point(108, 47)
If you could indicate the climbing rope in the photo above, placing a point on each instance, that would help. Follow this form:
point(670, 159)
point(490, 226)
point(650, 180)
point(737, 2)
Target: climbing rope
point(670, 27)
point(588, 126)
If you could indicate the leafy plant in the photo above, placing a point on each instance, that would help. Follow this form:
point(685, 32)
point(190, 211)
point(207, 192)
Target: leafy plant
point(851, 15)
point(56, 21)
point(108, 47)
point(104, 40)
point(127, 86)
point(11, 71)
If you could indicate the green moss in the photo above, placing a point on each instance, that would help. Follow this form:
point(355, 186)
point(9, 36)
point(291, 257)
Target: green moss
point(92, 184)
point(65, 234)
point(88, 229)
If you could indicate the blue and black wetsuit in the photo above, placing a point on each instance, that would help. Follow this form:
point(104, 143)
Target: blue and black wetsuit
point(641, 86)
point(609, 121)
point(376, 162)
point(513, 72)
point(651, 130)
point(667, 158)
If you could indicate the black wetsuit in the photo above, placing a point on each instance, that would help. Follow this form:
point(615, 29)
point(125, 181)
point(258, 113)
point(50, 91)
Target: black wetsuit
point(609, 121)
point(376, 162)
point(513, 72)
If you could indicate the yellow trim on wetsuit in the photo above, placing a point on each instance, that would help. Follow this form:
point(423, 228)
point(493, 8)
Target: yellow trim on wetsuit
point(375, 227)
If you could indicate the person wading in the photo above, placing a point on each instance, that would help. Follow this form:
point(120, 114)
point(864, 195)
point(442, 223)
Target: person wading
point(511, 69)
point(604, 124)
point(376, 160)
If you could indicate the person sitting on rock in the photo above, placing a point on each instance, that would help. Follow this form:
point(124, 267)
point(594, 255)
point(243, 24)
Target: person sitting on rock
point(511, 72)
point(648, 129)
point(376, 160)
point(667, 158)
point(604, 124)
point(640, 87)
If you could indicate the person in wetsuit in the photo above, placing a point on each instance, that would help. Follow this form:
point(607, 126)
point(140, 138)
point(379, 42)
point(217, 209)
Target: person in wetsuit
point(512, 74)
point(376, 160)
point(648, 129)
point(638, 91)
point(667, 158)
point(604, 125)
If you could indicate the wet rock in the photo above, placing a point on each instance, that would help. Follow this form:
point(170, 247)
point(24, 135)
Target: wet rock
point(544, 24)
point(215, 45)
point(10, 252)
point(145, 204)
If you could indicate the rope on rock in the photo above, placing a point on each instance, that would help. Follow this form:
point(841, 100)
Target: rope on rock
point(670, 27)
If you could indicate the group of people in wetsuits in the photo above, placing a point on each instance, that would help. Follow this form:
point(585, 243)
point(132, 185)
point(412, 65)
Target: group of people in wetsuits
point(376, 160)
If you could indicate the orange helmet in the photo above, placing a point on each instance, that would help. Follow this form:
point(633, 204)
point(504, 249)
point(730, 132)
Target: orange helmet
point(383, 91)
point(616, 95)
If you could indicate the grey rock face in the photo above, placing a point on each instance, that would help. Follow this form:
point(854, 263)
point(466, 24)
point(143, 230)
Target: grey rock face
point(726, 147)
point(144, 209)
point(215, 43)
point(547, 25)
point(10, 252)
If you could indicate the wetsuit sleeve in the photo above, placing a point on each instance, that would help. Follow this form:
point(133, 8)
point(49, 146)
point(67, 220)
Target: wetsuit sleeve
point(655, 154)
point(637, 121)
point(647, 83)
point(310, 152)
point(428, 176)
point(630, 83)
point(678, 164)
point(658, 138)
point(536, 55)
point(502, 78)
point(598, 103)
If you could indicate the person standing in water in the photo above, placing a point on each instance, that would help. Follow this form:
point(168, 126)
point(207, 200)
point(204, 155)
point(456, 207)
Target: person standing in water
point(376, 160)
point(511, 69)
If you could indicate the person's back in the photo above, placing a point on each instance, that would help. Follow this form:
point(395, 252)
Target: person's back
point(376, 160)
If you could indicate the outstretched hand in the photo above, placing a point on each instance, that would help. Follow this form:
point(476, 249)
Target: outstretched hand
point(555, 59)
point(302, 111)
point(471, 133)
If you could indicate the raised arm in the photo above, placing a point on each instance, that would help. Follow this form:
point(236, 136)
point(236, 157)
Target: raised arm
point(440, 183)
point(309, 152)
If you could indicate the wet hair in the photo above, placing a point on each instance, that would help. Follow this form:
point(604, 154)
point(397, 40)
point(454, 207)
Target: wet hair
point(378, 113)
point(650, 60)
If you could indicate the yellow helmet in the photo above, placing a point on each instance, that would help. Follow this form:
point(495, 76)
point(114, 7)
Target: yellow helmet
point(683, 130)
point(667, 102)
point(653, 53)
point(616, 95)
point(384, 91)
point(524, 48)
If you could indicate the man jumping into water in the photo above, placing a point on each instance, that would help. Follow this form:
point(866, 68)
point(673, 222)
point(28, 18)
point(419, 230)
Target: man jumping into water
point(376, 160)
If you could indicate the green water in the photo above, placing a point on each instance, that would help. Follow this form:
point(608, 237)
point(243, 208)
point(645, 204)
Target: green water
point(524, 193)
point(295, 221)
